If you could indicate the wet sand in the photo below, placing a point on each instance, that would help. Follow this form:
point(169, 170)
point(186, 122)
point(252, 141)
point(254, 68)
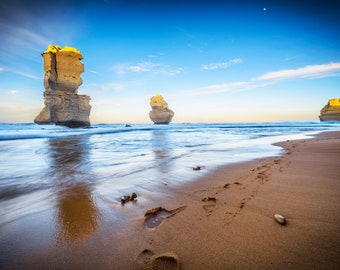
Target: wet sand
point(224, 220)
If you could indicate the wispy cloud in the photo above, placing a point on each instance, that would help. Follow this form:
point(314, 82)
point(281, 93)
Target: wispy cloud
point(155, 55)
point(307, 72)
point(24, 32)
point(225, 87)
point(314, 71)
point(17, 38)
point(21, 73)
point(25, 74)
point(289, 58)
point(145, 66)
point(94, 88)
point(94, 72)
point(112, 87)
point(186, 33)
point(22, 36)
point(220, 65)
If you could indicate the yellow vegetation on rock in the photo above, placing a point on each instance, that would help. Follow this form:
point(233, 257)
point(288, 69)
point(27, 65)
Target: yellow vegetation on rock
point(55, 48)
point(160, 113)
point(70, 49)
point(334, 102)
point(157, 100)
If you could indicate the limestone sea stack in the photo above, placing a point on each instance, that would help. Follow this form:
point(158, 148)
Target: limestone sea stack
point(160, 113)
point(63, 105)
point(331, 111)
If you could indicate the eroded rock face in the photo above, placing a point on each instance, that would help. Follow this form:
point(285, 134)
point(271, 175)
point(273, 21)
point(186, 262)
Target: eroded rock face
point(160, 113)
point(331, 111)
point(63, 106)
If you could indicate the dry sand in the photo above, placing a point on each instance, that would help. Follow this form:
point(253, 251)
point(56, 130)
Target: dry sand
point(228, 221)
point(225, 220)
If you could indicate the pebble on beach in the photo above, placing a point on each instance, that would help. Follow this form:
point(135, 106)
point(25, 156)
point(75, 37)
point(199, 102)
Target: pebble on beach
point(125, 199)
point(280, 219)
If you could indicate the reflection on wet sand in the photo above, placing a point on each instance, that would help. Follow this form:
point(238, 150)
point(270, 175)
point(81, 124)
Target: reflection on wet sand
point(77, 215)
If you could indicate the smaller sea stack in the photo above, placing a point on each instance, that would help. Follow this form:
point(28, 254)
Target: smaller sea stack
point(331, 111)
point(160, 113)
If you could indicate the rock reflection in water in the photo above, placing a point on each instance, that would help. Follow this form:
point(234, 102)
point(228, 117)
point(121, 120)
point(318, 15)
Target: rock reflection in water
point(162, 151)
point(68, 158)
point(77, 215)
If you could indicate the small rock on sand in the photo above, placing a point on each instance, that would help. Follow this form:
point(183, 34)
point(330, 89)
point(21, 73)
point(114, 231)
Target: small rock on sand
point(125, 199)
point(207, 199)
point(280, 219)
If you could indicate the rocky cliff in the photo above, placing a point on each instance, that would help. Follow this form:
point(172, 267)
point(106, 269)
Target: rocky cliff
point(160, 113)
point(331, 111)
point(63, 105)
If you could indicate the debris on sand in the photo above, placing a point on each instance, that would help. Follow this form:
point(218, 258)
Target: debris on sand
point(206, 199)
point(125, 199)
point(197, 168)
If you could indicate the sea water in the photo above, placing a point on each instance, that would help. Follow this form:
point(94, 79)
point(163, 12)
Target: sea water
point(59, 183)
point(37, 161)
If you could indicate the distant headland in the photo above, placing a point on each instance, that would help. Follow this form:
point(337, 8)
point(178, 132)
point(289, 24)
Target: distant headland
point(331, 111)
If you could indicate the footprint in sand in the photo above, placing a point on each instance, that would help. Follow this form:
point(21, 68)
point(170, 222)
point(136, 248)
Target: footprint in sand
point(148, 260)
point(263, 176)
point(228, 185)
point(210, 204)
point(277, 161)
point(155, 216)
point(144, 257)
point(230, 216)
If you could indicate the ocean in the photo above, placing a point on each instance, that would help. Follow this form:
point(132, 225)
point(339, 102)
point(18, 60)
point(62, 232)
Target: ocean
point(48, 173)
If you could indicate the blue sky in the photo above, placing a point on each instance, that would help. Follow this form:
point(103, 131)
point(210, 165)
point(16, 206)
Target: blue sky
point(213, 61)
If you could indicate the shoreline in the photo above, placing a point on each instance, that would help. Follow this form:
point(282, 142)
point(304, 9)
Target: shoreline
point(224, 219)
point(228, 216)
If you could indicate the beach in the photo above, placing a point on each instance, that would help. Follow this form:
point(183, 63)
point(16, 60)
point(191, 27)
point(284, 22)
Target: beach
point(222, 220)
point(149, 135)
point(229, 219)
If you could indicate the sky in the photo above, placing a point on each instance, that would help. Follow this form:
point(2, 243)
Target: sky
point(212, 61)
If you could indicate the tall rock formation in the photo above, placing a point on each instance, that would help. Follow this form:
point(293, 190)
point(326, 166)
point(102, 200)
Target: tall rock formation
point(331, 111)
point(160, 113)
point(63, 105)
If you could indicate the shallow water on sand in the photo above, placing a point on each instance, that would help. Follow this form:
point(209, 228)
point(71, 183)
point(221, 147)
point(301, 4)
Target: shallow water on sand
point(59, 185)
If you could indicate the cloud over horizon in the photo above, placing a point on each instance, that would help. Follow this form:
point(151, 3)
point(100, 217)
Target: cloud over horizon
point(219, 65)
point(310, 71)
point(145, 66)
point(24, 74)
point(306, 72)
